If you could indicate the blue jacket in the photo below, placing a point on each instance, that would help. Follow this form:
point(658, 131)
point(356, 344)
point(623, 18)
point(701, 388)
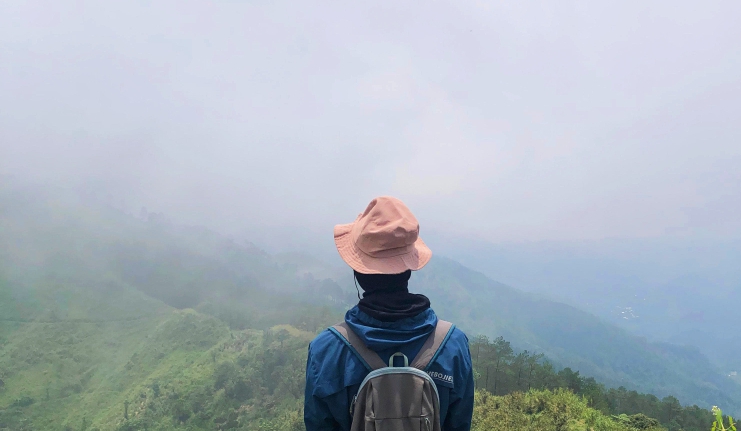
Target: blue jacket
point(334, 373)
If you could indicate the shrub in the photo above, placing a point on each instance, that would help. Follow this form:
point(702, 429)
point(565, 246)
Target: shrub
point(719, 423)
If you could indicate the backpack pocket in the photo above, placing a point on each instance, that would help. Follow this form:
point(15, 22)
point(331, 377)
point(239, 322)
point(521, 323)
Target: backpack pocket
point(420, 423)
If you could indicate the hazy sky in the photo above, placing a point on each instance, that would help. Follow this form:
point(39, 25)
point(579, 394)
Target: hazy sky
point(512, 120)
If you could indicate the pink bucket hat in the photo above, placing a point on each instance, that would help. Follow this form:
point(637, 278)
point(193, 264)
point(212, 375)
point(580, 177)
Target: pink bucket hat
point(384, 239)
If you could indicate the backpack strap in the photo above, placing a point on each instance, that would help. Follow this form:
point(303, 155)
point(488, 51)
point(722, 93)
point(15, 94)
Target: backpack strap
point(433, 344)
point(370, 359)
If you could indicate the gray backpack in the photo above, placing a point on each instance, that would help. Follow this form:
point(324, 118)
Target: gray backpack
point(396, 398)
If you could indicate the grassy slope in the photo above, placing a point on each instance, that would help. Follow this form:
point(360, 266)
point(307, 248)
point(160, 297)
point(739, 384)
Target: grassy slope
point(84, 373)
point(87, 370)
point(81, 335)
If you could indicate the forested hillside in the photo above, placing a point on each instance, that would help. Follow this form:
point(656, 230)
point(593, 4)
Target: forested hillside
point(574, 338)
point(662, 288)
point(113, 322)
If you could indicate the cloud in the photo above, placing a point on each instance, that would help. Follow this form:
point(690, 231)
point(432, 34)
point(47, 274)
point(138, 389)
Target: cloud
point(516, 121)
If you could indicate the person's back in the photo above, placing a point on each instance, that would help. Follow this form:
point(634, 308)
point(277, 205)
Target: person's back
point(382, 246)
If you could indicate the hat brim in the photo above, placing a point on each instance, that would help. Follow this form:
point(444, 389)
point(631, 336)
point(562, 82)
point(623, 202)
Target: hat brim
point(416, 258)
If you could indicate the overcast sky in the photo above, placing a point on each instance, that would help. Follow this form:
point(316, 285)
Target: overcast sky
point(509, 120)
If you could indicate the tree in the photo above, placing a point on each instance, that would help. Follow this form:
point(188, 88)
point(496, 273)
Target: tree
point(595, 394)
point(520, 365)
point(571, 379)
point(479, 341)
point(670, 409)
point(502, 357)
point(533, 362)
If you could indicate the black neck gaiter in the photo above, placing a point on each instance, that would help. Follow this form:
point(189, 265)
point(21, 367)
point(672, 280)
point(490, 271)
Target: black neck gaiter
point(386, 297)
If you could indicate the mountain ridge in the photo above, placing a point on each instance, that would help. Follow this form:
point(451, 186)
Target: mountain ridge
point(102, 252)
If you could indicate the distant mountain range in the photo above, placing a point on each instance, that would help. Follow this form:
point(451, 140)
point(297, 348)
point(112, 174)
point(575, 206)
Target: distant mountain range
point(575, 338)
point(668, 290)
point(61, 259)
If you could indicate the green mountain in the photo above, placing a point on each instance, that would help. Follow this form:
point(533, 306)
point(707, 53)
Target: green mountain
point(666, 289)
point(98, 328)
point(105, 316)
point(574, 338)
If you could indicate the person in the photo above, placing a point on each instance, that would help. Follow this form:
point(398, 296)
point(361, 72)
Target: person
point(383, 247)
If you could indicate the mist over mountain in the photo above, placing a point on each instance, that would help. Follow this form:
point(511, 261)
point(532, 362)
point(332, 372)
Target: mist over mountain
point(89, 254)
point(674, 290)
point(671, 290)
point(170, 173)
